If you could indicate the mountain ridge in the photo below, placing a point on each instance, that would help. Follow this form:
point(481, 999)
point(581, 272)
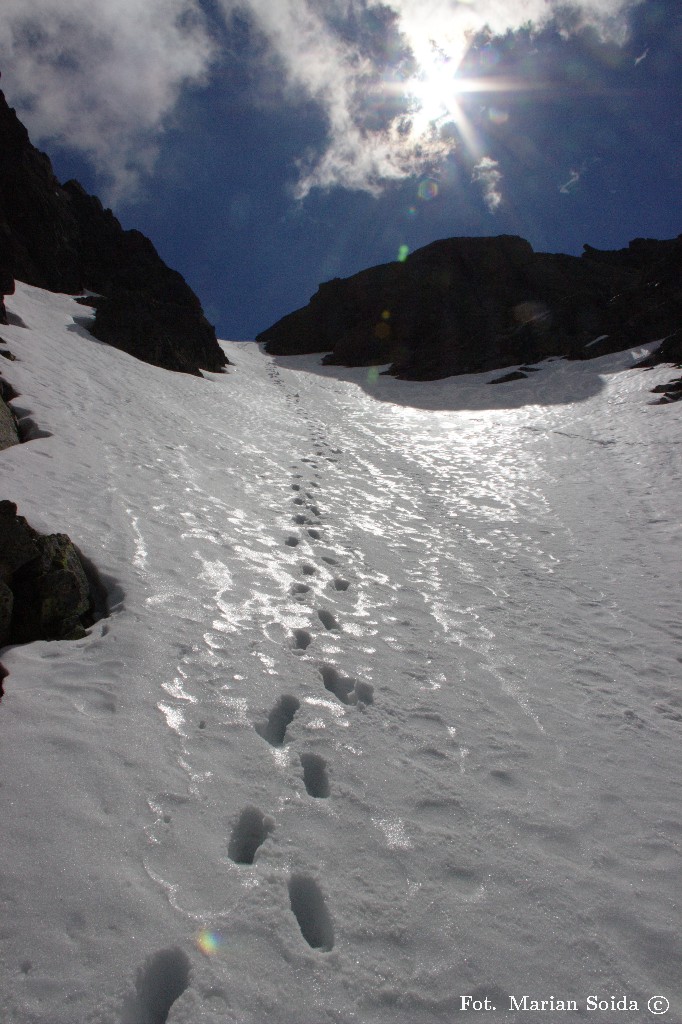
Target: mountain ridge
point(465, 305)
point(60, 238)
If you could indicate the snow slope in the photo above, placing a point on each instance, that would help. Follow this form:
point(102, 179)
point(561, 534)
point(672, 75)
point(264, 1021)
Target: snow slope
point(387, 711)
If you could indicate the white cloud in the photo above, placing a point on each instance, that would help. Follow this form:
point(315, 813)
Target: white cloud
point(573, 180)
point(104, 76)
point(487, 173)
point(331, 67)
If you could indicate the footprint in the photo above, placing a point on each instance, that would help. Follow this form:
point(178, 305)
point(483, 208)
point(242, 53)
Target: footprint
point(364, 693)
point(300, 519)
point(315, 534)
point(504, 777)
point(300, 588)
point(315, 775)
point(295, 487)
point(161, 980)
point(347, 689)
point(281, 716)
point(341, 686)
point(302, 639)
point(250, 832)
point(341, 584)
point(292, 542)
point(329, 560)
point(307, 569)
point(310, 910)
point(298, 501)
point(314, 509)
point(327, 619)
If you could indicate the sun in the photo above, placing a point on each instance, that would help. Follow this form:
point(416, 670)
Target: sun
point(434, 95)
point(437, 95)
point(435, 91)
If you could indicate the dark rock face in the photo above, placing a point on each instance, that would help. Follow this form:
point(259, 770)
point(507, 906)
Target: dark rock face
point(464, 305)
point(60, 238)
point(9, 428)
point(44, 591)
point(156, 331)
point(6, 266)
point(648, 305)
point(9, 435)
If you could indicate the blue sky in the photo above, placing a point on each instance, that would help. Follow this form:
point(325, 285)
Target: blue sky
point(268, 145)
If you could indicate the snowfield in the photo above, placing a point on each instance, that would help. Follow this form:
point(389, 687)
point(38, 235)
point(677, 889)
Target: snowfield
point(385, 721)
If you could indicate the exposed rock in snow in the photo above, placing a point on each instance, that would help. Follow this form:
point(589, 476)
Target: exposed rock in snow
point(44, 590)
point(9, 434)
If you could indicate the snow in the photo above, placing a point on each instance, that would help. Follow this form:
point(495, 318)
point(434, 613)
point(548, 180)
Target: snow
point(387, 711)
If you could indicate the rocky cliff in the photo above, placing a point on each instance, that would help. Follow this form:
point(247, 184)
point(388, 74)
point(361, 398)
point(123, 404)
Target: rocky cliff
point(464, 305)
point(58, 237)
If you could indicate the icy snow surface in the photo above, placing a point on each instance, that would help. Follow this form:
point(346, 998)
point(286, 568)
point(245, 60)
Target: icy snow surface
point(387, 711)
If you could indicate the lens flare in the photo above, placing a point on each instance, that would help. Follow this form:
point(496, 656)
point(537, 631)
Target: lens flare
point(428, 189)
point(403, 253)
point(498, 116)
point(209, 942)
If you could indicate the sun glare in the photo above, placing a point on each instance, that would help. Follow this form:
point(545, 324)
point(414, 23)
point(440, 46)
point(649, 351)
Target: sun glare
point(436, 93)
point(434, 97)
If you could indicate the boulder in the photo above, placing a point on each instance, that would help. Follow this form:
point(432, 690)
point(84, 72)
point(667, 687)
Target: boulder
point(44, 590)
point(51, 594)
point(672, 387)
point(18, 541)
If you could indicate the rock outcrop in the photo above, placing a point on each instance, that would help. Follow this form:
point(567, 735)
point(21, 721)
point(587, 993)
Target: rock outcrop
point(9, 435)
point(6, 266)
point(9, 430)
point(60, 238)
point(648, 305)
point(44, 590)
point(463, 305)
